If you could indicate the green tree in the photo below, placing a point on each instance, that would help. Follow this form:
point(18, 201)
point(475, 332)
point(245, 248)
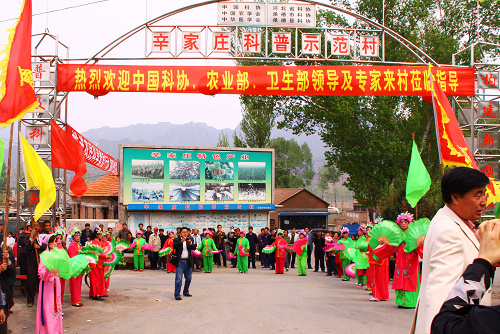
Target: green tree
point(3, 179)
point(258, 119)
point(223, 141)
point(327, 174)
point(238, 141)
point(293, 163)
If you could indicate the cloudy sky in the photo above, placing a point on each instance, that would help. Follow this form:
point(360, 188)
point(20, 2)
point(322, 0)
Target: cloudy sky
point(88, 28)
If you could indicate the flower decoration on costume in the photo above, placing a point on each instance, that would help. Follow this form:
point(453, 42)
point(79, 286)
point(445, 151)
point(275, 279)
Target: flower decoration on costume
point(344, 230)
point(280, 231)
point(302, 232)
point(378, 220)
point(362, 229)
point(75, 231)
point(405, 216)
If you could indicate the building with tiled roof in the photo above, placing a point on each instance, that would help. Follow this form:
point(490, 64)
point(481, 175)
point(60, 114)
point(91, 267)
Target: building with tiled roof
point(100, 201)
point(299, 208)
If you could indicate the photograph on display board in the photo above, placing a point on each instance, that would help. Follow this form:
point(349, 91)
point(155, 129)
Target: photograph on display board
point(147, 191)
point(219, 192)
point(252, 191)
point(184, 192)
point(252, 170)
point(217, 170)
point(184, 170)
point(147, 169)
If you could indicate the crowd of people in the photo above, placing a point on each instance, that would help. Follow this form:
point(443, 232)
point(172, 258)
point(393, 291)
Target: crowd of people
point(423, 278)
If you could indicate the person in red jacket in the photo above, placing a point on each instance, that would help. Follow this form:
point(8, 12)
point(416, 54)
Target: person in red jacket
point(170, 243)
point(280, 252)
point(406, 279)
point(75, 284)
point(380, 264)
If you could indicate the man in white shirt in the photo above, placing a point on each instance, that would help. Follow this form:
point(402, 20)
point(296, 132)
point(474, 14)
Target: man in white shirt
point(450, 245)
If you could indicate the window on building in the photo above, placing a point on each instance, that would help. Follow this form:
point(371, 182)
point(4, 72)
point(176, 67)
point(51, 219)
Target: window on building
point(94, 212)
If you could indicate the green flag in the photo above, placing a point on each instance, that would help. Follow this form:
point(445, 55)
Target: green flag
point(419, 180)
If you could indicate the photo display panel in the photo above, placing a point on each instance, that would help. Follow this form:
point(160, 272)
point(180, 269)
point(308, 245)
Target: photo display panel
point(183, 176)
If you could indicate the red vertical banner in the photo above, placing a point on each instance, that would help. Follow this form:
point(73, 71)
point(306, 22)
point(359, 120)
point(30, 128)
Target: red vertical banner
point(17, 96)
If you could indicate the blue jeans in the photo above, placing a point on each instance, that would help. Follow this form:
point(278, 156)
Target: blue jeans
point(185, 268)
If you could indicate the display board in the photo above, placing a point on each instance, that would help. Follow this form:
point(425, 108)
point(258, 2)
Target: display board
point(172, 220)
point(171, 178)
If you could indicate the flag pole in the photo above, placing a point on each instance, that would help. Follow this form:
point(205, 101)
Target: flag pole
point(416, 205)
point(436, 120)
point(7, 194)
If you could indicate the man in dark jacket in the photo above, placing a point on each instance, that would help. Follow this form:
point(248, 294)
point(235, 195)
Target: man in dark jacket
point(252, 240)
point(31, 248)
point(21, 253)
point(319, 254)
point(219, 239)
point(85, 235)
point(183, 246)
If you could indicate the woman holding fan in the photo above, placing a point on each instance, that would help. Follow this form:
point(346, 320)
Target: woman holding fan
point(49, 306)
point(406, 281)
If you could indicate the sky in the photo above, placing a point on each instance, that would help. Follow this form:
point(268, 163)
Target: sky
point(87, 29)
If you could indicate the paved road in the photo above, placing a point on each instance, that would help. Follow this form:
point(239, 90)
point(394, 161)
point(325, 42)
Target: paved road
point(224, 301)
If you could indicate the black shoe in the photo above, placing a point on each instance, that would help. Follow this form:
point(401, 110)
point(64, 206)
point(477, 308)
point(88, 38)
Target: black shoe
point(178, 298)
point(187, 295)
point(254, 267)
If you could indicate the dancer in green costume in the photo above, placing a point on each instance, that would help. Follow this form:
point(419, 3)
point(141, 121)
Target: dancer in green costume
point(343, 254)
point(207, 245)
point(361, 256)
point(242, 248)
point(138, 252)
point(302, 258)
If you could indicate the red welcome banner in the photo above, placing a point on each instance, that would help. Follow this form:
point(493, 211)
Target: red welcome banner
point(266, 80)
point(93, 155)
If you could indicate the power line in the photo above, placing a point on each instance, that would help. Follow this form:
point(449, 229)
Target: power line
point(60, 9)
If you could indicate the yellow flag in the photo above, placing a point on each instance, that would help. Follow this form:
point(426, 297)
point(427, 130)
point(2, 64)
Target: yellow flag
point(38, 174)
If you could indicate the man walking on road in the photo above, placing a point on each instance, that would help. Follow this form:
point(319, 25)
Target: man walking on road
point(183, 246)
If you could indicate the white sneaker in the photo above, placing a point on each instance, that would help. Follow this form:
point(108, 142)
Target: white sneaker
point(373, 299)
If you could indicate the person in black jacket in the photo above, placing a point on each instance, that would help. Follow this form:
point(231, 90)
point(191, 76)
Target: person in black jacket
point(272, 258)
point(7, 271)
point(21, 253)
point(85, 235)
point(461, 312)
point(31, 248)
point(252, 241)
point(319, 254)
point(183, 246)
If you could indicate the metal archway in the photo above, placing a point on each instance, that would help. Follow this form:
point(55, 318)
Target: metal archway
point(412, 48)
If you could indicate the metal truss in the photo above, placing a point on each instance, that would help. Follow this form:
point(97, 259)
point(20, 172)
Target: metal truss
point(370, 27)
point(47, 48)
point(482, 56)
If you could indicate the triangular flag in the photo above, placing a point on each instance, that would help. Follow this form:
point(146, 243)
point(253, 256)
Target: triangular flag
point(418, 182)
point(17, 96)
point(68, 154)
point(38, 174)
point(453, 148)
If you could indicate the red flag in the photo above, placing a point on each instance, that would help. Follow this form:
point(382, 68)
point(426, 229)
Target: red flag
point(68, 154)
point(453, 149)
point(93, 155)
point(17, 96)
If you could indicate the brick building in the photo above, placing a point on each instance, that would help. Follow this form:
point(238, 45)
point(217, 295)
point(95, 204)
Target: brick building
point(100, 201)
point(299, 208)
